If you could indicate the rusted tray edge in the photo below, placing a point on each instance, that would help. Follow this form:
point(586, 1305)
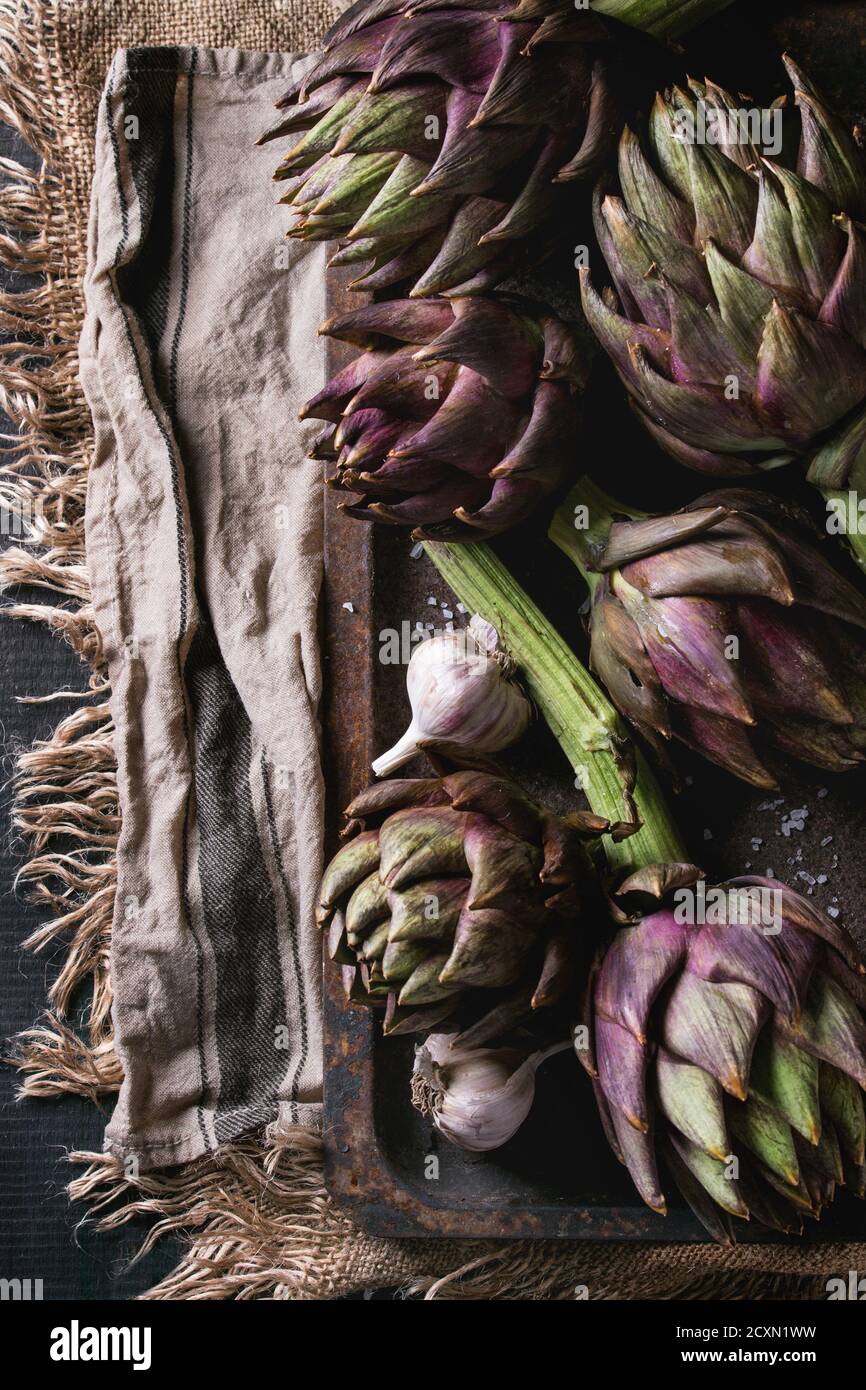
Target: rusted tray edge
point(358, 1174)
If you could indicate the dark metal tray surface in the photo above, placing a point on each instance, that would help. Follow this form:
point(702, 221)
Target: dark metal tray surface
point(386, 1164)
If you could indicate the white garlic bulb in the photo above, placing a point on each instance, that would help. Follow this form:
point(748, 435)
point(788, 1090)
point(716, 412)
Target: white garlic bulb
point(477, 1097)
point(461, 692)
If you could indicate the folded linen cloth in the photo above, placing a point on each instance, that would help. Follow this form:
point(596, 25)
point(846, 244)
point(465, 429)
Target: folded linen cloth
point(204, 542)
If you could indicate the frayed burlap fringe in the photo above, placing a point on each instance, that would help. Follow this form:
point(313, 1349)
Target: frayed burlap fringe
point(256, 1218)
point(259, 1224)
point(64, 787)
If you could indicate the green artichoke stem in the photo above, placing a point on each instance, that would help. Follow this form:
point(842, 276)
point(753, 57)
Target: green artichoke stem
point(856, 540)
point(587, 727)
point(665, 19)
point(581, 524)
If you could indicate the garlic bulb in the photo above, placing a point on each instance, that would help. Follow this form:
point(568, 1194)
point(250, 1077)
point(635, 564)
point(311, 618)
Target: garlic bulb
point(477, 1097)
point(461, 692)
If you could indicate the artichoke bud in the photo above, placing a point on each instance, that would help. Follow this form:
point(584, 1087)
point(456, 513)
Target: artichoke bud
point(738, 324)
point(724, 626)
point(460, 692)
point(460, 416)
point(452, 887)
point(731, 1043)
point(430, 85)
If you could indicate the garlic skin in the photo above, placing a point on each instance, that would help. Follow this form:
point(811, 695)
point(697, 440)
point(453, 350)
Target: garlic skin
point(461, 692)
point(477, 1097)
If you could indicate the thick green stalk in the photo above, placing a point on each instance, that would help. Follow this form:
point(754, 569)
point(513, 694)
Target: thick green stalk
point(588, 728)
point(581, 524)
point(666, 19)
point(838, 469)
point(845, 505)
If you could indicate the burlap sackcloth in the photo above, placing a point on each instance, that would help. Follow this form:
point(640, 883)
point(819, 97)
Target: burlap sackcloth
point(203, 549)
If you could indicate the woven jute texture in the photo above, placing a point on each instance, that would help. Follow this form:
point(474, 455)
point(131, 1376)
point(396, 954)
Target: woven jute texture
point(256, 1218)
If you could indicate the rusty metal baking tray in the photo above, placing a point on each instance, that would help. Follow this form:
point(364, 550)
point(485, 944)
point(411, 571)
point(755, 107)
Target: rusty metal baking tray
point(557, 1178)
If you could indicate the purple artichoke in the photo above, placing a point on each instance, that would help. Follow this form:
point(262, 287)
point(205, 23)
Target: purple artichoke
point(454, 887)
point(723, 626)
point(735, 1053)
point(457, 419)
point(738, 324)
point(431, 137)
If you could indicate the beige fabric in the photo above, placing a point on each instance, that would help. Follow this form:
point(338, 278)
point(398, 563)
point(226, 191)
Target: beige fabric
point(257, 1219)
point(204, 545)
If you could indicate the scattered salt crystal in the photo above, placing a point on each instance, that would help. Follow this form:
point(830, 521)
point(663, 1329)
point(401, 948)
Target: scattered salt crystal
point(756, 843)
point(771, 805)
point(827, 840)
point(832, 912)
point(446, 613)
point(708, 834)
point(807, 878)
point(449, 627)
point(796, 821)
point(349, 607)
point(748, 864)
point(431, 602)
point(416, 552)
point(419, 627)
point(822, 878)
point(689, 781)
point(461, 608)
point(771, 873)
point(822, 791)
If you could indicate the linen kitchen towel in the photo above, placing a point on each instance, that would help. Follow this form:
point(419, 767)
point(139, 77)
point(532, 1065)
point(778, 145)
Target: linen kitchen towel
point(204, 542)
